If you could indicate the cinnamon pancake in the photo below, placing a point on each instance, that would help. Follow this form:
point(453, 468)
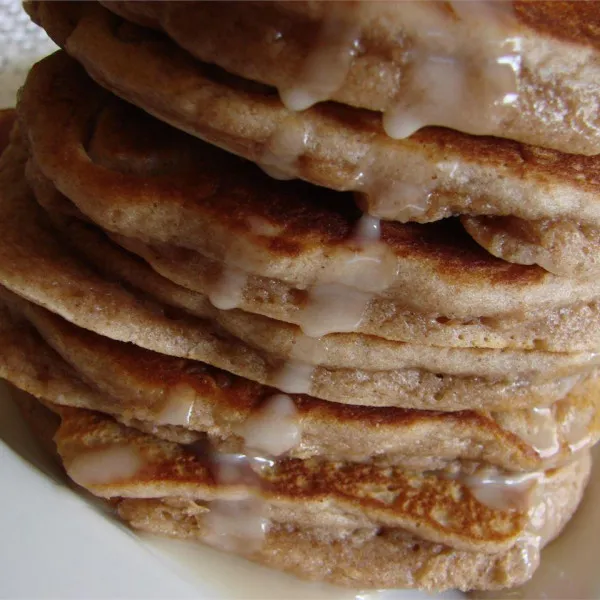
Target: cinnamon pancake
point(198, 281)
point(433, 174)
point(567, 248)
point(163, 487)
point(335, 350)
point(285, 231)
point(179, 400)
point(36, 264)
point(381, 56)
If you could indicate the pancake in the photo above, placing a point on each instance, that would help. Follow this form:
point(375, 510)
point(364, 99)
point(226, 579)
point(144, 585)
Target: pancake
point(7, 119)
point(568, 329)
point(165, 490)
point(336, 350)
point(113, 311)
point(169, 397)
point(566, 248)
point(378, 562)
point(160, 465)
point(178, 400)
point(380, 56)
point(284, 231)
point(37, 265)
point(433, 174)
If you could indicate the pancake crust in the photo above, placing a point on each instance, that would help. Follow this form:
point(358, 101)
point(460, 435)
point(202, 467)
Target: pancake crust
point(439, 269)
point(568, 329)
point(335, 350)
point(282, 38)
point(116, 350)
point(354, 494)
point(464, 174)
point(389, 559)
point(136, 386)
point(30, 251)
point(567, 248)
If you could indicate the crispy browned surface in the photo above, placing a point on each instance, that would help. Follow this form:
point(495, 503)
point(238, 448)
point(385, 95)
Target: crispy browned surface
point(242, 119)
point(445, 271)
point(133, 384)
point(494, 177)
point(383, 557)
point(169, 196)
point(566, 329)
point(278, 36)
point(364, 494)
point(566, 248)
point(574, 21)
point(408, 374)
point(348, 350)
point(33, 259)
point(126, 148)
point(389, 559)
point(350, 357)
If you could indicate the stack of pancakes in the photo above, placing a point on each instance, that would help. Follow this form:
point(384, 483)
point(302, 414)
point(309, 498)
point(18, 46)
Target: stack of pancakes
point(384, 375)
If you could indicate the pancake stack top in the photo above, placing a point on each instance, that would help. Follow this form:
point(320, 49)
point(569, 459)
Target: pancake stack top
point(385, 375)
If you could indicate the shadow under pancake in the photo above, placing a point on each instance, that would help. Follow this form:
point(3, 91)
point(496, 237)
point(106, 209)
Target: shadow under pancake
point(16, 435)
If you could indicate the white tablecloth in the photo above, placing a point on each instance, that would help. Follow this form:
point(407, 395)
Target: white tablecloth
point(21, 44)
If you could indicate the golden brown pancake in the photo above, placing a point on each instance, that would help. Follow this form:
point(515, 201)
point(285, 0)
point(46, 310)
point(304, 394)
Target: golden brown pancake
point(566, 329)
point(566, 248)
point(282, 341)
point(374, 54)
point(153, 493)
point(334, 350)
point(167, 469)
point(438, 175)
point(339, 147)
point(470, 526)
point(178, 400)
point(273, 347)
point(484, 188)
point(203, 339)
point(387, 560)
point(191, 439)
point(36, 264)
point(284, 231)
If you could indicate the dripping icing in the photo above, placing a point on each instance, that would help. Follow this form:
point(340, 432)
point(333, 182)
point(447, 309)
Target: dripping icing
point(501, 490)
point(504, 492)
point(279, 158)
point(444, 85)
point(228, 291)
point(537, 427)
point(178, 407)
point(333, 308)
point(274, 428)
point(241, 523)
point(104, 466)
point(326, 67)
point(293, 377)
